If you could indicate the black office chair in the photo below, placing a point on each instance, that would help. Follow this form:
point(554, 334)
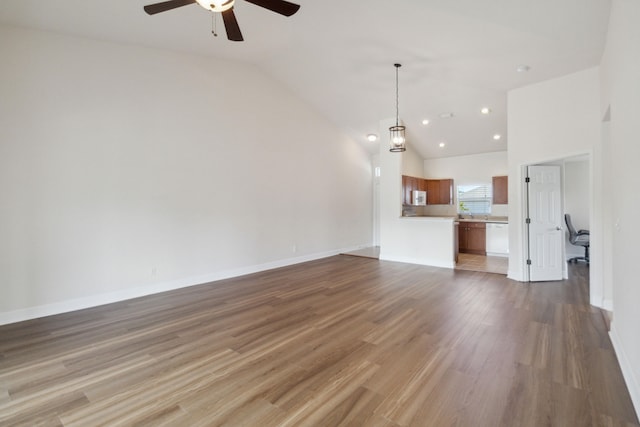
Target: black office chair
point(578, 238)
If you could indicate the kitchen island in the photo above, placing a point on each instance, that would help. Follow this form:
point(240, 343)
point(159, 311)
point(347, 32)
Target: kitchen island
point(426, 240)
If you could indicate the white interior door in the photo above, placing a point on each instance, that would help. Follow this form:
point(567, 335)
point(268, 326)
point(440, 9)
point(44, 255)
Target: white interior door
point(545, 226)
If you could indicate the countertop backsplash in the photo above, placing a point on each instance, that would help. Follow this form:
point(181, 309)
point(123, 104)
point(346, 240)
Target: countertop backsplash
point(408, 210)
point(440, 210)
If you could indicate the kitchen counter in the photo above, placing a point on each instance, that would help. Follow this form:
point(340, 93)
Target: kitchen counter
point(429, 217)
point(493, 220)
point(425, 240)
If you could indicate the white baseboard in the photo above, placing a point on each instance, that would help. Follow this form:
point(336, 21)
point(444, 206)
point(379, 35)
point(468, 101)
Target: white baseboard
point(140, 291)
point(607, 304)
point(633, 383)
point(409, 260)
point(502, 254)
point(515, 275)
point(595, 299)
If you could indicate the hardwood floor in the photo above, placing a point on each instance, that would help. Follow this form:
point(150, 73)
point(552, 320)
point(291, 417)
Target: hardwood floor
point(488, 263)
point(368, 252)
point(340, 341)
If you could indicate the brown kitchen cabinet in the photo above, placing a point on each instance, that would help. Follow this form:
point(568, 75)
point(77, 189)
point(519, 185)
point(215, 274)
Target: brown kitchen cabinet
point(433, 191)
point(472, 238)
point(422, 184)
point(500, 190)
point(439, 191)
point(409, 184)
point(406, 190)
point(446, 191)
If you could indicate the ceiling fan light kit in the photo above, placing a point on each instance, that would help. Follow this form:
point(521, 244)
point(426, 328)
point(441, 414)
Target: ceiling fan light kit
point(397, 139)
point(216, 5)
point(225, 7)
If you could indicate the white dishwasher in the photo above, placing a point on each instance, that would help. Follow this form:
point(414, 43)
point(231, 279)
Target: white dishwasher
point(497, 239)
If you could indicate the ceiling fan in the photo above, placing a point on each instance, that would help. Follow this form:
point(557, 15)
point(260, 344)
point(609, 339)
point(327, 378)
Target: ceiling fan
point(226, 8)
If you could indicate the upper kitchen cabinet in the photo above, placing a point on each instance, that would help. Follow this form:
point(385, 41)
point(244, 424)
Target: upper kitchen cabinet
point(446, 191)
point(410, 184)
point(439, 191)
point(406, 190)
point(433, 191)
point(500, 190)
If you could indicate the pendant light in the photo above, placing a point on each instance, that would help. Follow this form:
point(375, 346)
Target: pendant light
point(397, 139)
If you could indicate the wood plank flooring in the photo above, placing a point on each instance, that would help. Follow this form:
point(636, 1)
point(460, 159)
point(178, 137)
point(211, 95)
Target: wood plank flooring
point(340, 341)
point(368, 252)
point(488, 263)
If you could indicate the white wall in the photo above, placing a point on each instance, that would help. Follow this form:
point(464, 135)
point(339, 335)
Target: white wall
point(605, 202)
point(375, 164)
point(126, 170)
point(472, 169)
point(621, 93)
point(412, 163)
point(577, 200)
point(548, 121)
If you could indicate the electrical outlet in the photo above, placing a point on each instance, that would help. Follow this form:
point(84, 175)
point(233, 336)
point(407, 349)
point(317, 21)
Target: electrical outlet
point(154, 271)
point(294, 249)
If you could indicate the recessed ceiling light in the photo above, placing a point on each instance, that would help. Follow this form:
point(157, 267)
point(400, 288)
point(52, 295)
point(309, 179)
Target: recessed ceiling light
point(523, 68)
point(372, 137)
point(496, 136)
point(446, 115)
point(425, 122)
point(485, 110)
point(442, 144)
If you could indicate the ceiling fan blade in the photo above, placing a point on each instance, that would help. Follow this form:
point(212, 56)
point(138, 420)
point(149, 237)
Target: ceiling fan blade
point(152, 9)
point(231, 25)
point(278, 6)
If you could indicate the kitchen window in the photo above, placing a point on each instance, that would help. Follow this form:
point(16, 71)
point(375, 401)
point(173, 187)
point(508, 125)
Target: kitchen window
point(474, 199)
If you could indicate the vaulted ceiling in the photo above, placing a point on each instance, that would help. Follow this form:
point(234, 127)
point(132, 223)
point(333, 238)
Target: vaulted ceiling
point(457, 55)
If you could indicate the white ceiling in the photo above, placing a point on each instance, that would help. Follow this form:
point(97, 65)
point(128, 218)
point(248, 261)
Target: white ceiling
point(457, 55)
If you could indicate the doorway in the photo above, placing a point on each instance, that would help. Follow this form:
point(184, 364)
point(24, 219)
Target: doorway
point(555, 188)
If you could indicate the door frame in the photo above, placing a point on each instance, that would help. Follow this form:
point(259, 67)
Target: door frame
point(524, 205)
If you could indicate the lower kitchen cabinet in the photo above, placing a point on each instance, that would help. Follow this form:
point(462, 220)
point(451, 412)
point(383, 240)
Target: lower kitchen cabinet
point(472, 238)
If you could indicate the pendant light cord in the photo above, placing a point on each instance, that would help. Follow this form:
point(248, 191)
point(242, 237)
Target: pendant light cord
point(397, 96)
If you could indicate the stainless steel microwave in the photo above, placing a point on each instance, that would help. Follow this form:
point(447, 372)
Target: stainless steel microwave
point(418, 198)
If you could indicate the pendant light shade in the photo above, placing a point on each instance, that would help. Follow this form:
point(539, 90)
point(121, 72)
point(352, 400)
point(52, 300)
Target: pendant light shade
point(397, 140)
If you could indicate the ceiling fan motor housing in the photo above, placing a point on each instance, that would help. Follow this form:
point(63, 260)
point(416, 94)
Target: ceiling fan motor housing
point(216, 5)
